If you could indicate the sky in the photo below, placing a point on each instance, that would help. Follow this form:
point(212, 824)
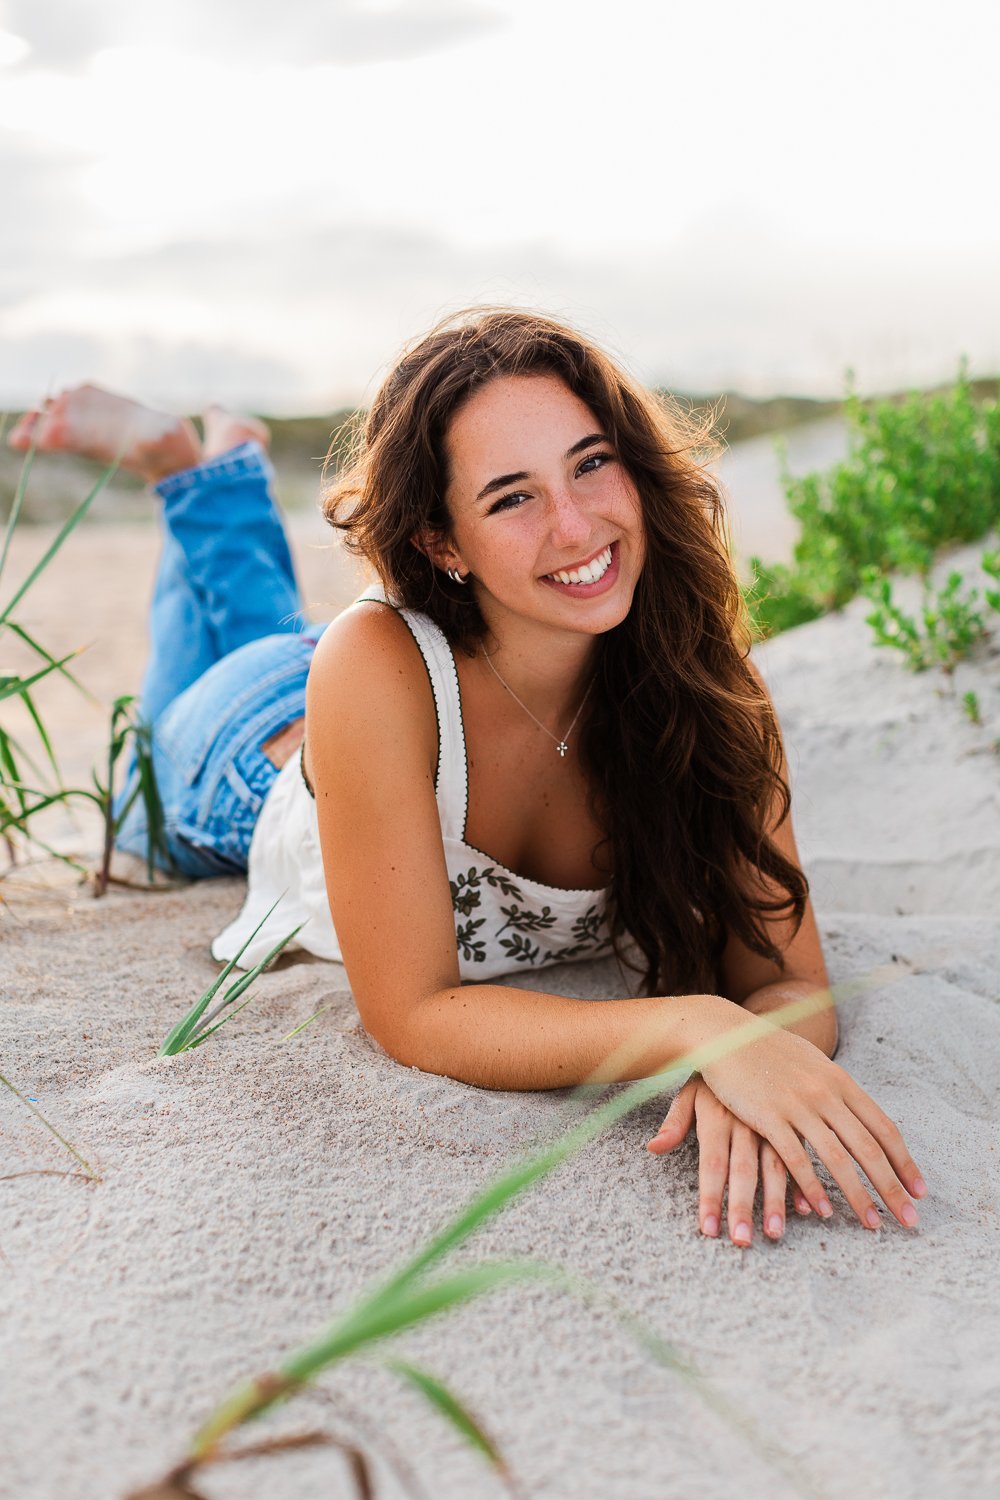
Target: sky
point(260, 203)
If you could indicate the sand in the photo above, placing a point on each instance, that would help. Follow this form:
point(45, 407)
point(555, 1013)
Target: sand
point(250, 1189)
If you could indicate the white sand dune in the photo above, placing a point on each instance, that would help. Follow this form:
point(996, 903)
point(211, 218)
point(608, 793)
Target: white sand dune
point(250, 1189)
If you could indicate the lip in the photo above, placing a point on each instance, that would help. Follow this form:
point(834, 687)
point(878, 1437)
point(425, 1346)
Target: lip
point(588, 590)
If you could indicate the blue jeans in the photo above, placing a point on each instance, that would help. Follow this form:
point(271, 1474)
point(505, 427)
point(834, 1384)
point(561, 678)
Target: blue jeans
point(229, 656)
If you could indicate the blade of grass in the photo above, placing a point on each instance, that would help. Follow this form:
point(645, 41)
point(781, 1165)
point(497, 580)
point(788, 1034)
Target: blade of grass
point(42, 733)
point(236, 990)
point(295, 1031)
point(203, 1036)
point(364, 1326)
point(449, 1406)
point(534, 1167)
point(51, 1128)
point(9, 686)
point(18, 501)
point(180, 1033)
point(40, 650)
point(398, 1303)
point(50, 552)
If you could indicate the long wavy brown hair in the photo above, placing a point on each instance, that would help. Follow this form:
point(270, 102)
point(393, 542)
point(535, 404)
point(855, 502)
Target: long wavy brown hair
point(680, 744)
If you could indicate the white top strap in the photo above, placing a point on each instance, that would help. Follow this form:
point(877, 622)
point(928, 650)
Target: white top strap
point(452, 785)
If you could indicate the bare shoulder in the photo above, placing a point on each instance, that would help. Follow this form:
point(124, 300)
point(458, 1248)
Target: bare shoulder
point(371, 749)
point(367, 681)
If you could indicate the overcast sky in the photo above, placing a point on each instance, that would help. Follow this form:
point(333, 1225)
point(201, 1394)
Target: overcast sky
point(259, 202)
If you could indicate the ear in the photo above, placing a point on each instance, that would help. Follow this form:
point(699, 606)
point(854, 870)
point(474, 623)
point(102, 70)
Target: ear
point(436, 546)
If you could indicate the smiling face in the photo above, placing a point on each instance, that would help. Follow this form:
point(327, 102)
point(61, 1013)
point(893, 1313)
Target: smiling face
point(544, 516)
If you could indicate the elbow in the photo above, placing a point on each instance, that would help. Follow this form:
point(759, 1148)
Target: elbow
point(408, 1039)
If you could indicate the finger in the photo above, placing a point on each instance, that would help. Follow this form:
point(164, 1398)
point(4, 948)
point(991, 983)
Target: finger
point(744, 1152)
point(774, 1182)
point(797, 1160)
point(715, 1126)
point(866, 1151)
point(841, 1164)
point(887, 1134)
point(678, 1121)
point(800, 1200)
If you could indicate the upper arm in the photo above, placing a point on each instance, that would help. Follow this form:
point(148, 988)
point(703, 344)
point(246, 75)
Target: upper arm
point(743, 970)
point(371, 733)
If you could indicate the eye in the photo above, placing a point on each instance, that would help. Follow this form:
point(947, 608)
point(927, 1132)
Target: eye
point(507, 502)
point(598, 459)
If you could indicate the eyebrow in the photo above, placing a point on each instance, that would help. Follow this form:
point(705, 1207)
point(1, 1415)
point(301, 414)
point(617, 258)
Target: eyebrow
point(504, 479)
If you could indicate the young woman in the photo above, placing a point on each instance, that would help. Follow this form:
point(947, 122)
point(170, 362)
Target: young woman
point(554, 669)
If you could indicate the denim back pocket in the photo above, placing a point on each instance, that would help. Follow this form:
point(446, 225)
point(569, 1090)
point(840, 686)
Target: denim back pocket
point(213, 734)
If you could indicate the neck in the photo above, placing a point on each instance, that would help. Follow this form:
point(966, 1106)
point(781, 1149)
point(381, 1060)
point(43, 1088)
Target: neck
point(549, 669)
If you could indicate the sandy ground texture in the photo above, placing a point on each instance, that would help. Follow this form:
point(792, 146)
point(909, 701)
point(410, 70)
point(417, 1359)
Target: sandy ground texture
point(250, 1189)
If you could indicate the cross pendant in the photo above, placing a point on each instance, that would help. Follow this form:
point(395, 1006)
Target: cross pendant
point(562, 747)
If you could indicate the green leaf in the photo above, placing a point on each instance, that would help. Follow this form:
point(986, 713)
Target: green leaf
point(40, 650)
point(180, 1037)
point(15, 510)
point(453, 1410)
point(10, 686)
point(50, 552)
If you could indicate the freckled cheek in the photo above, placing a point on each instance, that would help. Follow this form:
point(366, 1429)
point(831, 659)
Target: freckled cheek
point(626, 508)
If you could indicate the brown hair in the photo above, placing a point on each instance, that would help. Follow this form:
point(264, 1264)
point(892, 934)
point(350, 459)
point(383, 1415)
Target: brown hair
point(680, 745)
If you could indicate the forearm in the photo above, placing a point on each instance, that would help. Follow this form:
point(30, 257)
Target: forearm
point(517, 1039)
point(820, 1028)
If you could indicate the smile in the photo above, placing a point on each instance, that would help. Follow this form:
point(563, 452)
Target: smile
point(588, 572)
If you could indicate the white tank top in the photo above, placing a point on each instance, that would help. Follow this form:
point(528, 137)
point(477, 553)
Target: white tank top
point(503, 921)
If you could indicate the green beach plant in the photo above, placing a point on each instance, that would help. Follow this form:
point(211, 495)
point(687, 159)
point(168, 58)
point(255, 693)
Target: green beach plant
point(27, 786)
point(949, 624)
point(20, 769)
point(126, 726)
point(424, 1288)
point(922, 473)
point(970, 705)
point(197, 1026)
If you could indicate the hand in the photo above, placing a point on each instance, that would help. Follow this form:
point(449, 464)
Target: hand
point(728, 1152)
point(788, 1091)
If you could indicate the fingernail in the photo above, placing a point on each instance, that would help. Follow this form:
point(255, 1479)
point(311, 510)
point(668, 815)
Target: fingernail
point(825, 1207)
point(872, 1218)
point(919, 1187)
point(774, 1225)
point(742, 1233)
point(710, 1224)
point(908, 1214)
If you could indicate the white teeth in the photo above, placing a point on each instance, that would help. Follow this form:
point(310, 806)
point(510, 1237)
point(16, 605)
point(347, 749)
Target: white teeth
point(589, 573)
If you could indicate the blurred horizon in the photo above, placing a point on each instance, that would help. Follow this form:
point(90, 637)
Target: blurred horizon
point(261, 205)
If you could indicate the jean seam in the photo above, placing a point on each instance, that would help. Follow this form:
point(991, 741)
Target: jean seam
point(247, 461)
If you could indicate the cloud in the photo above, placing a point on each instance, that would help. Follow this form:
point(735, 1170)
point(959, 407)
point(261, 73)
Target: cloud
point(65, 35)
point(43, 213)
point(306, 319)
point(181, 375)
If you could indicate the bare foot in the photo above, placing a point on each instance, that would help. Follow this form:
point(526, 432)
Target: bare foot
point(94, 423)
point(225, 429)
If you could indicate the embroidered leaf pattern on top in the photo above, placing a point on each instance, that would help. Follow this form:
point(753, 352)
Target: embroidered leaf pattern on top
point(527, 921)
point(520, 949)
point(473, 948)
point(523, 920)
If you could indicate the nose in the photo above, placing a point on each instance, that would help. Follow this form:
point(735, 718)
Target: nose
point(570, 525)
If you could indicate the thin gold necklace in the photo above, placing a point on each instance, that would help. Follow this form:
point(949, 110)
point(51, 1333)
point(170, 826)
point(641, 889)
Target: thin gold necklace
point(560, 744)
